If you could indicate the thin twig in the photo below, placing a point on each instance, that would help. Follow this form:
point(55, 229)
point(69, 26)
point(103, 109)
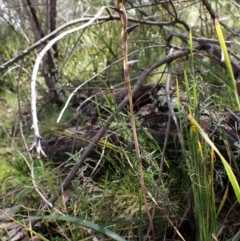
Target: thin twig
point(175, 228)
point(157, 192)
point(171, 111)
point(213, 16)
point(73, 22)
point(233, 114)
point(189, 206)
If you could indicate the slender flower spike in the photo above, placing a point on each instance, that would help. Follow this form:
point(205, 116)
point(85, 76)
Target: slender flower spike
point(123, 15)
point(120, 4)
point(131, 28)
point(126, 65)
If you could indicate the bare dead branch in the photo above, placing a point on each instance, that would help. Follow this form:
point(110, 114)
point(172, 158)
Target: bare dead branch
point(33, 19)
point(214, 15)
point(53, 22)
point(37, 138)
point(73, 22)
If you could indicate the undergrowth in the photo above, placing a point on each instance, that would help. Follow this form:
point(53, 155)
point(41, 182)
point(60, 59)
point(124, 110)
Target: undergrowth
point(110, 195)
point(196, 200)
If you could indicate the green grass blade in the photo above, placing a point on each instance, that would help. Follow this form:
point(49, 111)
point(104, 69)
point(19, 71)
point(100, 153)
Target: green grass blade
point(191, 47)
point(82, 223)
point(227, 167)
point(227, 59)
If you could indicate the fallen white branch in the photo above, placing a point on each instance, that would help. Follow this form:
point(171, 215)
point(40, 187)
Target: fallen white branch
point(36, 144)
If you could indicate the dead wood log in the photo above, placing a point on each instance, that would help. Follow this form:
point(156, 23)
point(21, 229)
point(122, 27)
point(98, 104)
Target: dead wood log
point(151, 109)
point(103, 101)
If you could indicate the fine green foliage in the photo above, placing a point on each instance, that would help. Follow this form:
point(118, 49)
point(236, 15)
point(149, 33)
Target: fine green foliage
point(227, 167)
point(200, 165)
point(227, 60)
